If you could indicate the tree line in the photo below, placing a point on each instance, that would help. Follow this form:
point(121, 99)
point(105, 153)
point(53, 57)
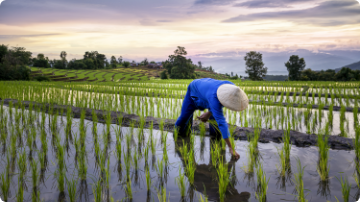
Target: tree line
point(256, 70)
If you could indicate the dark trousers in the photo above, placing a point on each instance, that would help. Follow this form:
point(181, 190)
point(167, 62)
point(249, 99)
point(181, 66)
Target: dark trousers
point(185, 121)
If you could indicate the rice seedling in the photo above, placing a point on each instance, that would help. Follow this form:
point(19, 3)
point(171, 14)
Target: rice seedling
point(135, 160)
point(127, 164)
point(160, 168)
point(71, 187)
point(118, 148)
point(20, 192)
point(34, 174)
point(180, 180)
point(128, 189)
point(161, 194)
point(223, 179)
point(345, 188)
point(97, 191)
point(262, 183)
point(299, 183)
point(5, 180)
point(201, 199)
point(323, 168)
point(284, 154)
point(148, 178)
point(191, 167)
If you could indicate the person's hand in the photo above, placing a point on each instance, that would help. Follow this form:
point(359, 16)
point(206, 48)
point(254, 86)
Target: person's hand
point(204, 117)
point(234, 155)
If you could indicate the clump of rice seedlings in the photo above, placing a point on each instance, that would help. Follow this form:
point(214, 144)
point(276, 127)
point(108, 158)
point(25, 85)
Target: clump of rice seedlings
point(97, 191)
point(127, 162)
point(262, 183)
point(136, 160)
point(34, 176)
point(160, 168)
point(22, 166)
point(342, 121)
point(95, 120)
point(5, 180)
point(71, 187)
point(176, 134)
point(61, 168)
point(357, 142)
point(345, 188)
point(161, 194)
point(128, 141)
point(118, 149)
point(153, 144)
point(190, 165)
point(215, 153)
point(148, 178)
point(201, 199)
point(223, 179)
point(165, 155)
point(82, 164)
point(284, 154)
point(20, 192)
point(323, 168)
point(252, 158)
point(180, 180)
point(128, 189)
point(299, 183)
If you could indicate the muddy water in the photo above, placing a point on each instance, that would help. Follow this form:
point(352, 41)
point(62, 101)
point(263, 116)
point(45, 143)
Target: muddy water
point(243, 186)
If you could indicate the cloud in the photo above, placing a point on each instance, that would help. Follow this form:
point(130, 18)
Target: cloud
point(214, 2)
point(26, 36)
point(328, 13)
point(269, 3)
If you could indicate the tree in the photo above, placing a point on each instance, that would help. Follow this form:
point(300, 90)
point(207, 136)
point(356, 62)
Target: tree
point(200, 64)
point(294, 66)
point(126, 64)
point(163, 75)
point(3, 52)
point(41, 61)
point(120, 59)
point(13, 63)
point(63, 55)
point(113, 62)
point(255, 66)
point(145, 62)
point(20, 56)
point(178, 66)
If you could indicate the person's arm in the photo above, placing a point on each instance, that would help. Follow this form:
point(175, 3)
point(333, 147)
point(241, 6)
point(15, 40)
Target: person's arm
point(232, 151)
point(204, 117)
point(217, 112)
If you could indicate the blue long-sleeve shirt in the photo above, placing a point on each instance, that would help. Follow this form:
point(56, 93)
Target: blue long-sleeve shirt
point(204, 94)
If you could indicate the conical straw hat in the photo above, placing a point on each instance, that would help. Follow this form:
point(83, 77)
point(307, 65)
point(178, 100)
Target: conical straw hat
point(232, 97)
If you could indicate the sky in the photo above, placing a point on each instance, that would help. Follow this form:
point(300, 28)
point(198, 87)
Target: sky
point(206, 28)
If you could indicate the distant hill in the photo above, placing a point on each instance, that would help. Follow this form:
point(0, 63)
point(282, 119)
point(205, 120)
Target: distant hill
point(276, 77)
point(353, 66)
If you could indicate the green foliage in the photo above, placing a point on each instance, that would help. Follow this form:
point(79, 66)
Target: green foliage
point(255, 66)
point(163, 75)
point(294, 66)
point(126, 64)
point(41, 78)
point(345, 74)
point(41, 61)
point(178, 66)
point(13, 63)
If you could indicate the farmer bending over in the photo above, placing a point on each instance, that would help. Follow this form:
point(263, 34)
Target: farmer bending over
point(213, 95)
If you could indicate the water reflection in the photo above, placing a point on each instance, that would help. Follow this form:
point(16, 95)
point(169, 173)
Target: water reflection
point(205, 179)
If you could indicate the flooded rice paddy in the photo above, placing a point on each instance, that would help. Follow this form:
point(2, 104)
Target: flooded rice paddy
point(39, 137)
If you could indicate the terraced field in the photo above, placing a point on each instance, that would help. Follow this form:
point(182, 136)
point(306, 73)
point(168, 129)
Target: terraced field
point(108, 75)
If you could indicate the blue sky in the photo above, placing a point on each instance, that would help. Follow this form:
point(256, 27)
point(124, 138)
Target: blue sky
point(141, 28)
